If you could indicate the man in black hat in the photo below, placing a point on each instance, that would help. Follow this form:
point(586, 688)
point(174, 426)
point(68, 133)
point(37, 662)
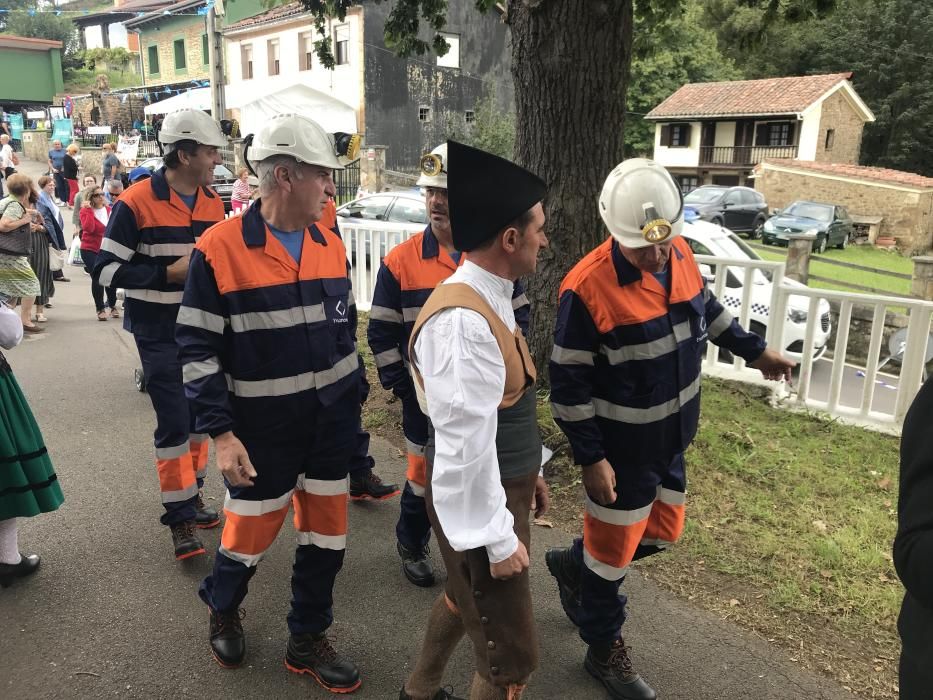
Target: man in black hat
point(475, 381)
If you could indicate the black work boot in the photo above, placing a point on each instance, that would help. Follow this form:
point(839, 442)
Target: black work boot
point(565, 568)
point(365, 485)
point(186, 542)
point(314, 655)
point(441, 694)
point(610, 664)
point(416, 565)
point(205, 517)
point(228, 643)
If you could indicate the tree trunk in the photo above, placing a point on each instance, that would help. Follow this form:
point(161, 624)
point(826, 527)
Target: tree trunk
point(570, 66)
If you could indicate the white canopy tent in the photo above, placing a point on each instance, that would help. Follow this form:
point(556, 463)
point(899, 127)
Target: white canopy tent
point(329, 112)
point(196, 98)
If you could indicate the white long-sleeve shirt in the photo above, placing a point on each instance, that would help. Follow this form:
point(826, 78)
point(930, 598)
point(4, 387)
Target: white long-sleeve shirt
point(464, 380)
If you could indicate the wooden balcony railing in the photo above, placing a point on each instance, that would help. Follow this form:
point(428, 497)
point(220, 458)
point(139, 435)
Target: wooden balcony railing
point(743, 155)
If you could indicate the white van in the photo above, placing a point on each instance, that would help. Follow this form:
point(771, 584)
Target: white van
point(709, 239)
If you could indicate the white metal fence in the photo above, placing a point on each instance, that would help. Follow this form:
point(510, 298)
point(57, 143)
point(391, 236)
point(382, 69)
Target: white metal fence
point(845, 391)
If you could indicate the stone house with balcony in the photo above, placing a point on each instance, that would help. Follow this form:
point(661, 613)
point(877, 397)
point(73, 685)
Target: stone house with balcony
point(715, 133)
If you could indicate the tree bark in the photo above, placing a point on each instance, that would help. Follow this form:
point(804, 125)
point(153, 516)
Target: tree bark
point(570, 66)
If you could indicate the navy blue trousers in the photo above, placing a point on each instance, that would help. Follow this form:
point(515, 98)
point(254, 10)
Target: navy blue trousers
point(303, 466)
point(413, 528)
point(180, 477)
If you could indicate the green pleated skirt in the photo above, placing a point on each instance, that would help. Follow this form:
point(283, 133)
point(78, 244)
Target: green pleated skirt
point(28, 484)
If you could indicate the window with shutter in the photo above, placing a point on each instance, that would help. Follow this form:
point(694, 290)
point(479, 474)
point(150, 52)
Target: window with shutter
point(680, 135)
point(665, 134)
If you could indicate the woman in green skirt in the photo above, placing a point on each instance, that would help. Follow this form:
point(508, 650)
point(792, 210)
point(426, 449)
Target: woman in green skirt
point(28, 485)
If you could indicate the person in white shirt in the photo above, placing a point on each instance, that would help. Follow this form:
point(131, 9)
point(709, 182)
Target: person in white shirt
point(475, 381)
point(6, 158)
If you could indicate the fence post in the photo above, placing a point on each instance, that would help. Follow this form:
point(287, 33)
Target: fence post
point(799, 246)
point(921, 285)
point(372, 168)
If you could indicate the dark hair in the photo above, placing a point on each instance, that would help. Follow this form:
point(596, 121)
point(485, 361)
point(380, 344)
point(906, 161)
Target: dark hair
point(520, 223)
point(172, 160)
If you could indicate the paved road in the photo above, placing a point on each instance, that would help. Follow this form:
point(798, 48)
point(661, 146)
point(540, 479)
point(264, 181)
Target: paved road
point(853, 384)
point(111, 614)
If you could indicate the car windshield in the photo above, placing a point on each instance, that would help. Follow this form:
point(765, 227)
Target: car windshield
point(704, 195)
point(809, 210)
point(223, 171)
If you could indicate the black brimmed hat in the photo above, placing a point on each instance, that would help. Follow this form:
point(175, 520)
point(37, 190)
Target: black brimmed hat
point(485, 193)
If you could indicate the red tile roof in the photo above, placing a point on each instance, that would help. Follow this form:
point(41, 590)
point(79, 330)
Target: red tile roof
point(860, 172)
point(281, 12)
point(770, 96)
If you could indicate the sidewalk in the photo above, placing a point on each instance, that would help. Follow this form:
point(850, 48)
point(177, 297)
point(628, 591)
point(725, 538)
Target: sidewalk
point(111, 614)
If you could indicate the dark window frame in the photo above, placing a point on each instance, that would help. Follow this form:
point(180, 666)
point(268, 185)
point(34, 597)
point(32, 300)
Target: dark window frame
point(342, 46)
point(830, 139)
point(677, 134)
point(153, 52)
point(183, 54)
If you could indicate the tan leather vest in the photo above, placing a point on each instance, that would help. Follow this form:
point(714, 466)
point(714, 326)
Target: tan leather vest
point(519, 368)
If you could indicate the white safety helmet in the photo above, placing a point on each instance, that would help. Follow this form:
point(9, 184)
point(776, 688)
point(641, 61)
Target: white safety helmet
point(191, 125)
point(301, 138)
point(434, 168)
point(641, 204)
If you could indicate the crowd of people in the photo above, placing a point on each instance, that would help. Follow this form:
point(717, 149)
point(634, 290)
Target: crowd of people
point(246, 332)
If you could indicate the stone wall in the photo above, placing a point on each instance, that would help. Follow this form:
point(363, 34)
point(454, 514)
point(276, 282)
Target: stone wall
point(113, 110)
point(838, 114)
point(906, 213)
point(36, 144)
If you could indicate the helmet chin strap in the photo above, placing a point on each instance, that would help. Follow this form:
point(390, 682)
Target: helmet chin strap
point(247, 142)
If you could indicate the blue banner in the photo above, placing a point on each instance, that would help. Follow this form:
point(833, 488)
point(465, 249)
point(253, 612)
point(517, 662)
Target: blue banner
point(61, 131)
point(16, 126)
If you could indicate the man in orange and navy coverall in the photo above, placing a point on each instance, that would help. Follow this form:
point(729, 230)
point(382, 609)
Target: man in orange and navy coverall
point(152, 231)
point(633, 322)
point(267, 337)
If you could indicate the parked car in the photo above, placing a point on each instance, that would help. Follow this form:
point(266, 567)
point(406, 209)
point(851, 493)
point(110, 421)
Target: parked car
point(383, 214)
point(386, 210)
point(223, 179)
point(737, 208)
point(830, 222)
point(708, 239)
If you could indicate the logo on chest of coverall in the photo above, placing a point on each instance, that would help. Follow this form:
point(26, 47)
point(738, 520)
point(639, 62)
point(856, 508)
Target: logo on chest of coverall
point(701, 324)
point(336, 310)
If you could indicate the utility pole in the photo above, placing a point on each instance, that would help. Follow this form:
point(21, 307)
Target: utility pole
point(215, 51)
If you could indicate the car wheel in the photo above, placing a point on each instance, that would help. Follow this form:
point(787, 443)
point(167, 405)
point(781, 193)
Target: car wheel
point(757, 228)
point(717, 220)
point(844, 243)
point(819, 245)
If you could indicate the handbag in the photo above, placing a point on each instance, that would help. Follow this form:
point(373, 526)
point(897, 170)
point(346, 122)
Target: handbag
point(56, 258)
point(74, 253)
point(18, 241)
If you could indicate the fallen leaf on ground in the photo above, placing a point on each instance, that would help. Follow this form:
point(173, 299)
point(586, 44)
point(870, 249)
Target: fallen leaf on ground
point(820, 525)
point(542, 522)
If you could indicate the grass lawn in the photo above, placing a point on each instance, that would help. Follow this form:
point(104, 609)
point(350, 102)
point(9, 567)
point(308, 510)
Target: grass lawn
point(867, 256)
point(790, 521)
